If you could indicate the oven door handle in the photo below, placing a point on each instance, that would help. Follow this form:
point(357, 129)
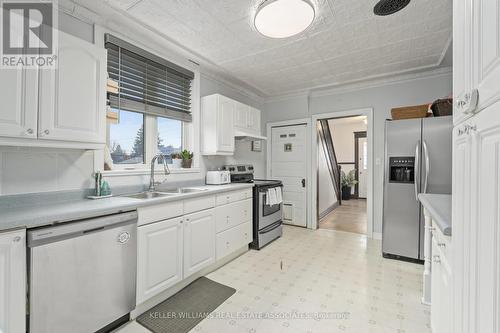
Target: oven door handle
point(270, 227)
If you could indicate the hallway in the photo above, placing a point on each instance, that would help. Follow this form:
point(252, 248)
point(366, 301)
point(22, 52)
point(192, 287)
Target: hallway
point(349, 217)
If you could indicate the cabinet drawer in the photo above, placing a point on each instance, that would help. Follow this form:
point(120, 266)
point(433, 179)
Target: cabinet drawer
point(159, 212)
point(231, 215)
point(197, 204)
point(228, 197)
point(233, 239)
point(443, 243)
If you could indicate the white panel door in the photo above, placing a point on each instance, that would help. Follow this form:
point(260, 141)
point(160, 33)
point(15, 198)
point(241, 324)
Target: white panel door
point(225, 125)
point(19, 98)
point(486, 36)
point(73, 96)
point(288, 164)
point(486, 273)
point(159, 257)
point(199, 241)
point(363, 167)
point(13, 282)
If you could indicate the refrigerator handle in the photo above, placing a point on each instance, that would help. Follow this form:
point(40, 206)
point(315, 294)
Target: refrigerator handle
point(417, 168)
point(427, 166)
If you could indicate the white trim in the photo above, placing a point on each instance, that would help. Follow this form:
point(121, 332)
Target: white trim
point(377, 235)
point(307, 122)
point(368, 112)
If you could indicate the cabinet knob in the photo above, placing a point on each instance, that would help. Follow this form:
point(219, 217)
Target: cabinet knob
point(181, 221)
point(16, 239)
point(46, 132)
point(29, 131)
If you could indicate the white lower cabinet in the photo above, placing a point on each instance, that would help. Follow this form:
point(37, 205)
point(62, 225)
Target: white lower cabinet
point(233, 239)
point(159, 257)
point(232, 214)
point(199, 241)
point(13, 282)
point(441, 287)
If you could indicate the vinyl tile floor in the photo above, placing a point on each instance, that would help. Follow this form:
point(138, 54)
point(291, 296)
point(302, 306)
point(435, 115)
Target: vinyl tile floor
point(350, 217)
point(317, 281)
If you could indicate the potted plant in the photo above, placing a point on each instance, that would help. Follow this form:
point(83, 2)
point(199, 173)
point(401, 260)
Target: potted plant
point(187, 158)
point(176, 160)
point(348, 181)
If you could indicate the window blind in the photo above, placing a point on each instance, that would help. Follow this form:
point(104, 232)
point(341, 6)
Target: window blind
point(148, 83)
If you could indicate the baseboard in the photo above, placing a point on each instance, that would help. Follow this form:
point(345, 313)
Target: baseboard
point(376, 235)
point(328, 210)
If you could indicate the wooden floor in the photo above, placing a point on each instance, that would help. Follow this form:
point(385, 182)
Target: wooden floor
point(350, 217)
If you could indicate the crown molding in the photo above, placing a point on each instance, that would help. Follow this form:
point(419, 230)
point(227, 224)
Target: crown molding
point(210, 75)
point(448, 44)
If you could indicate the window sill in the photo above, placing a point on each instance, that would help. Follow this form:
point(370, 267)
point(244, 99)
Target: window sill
point(140, 172)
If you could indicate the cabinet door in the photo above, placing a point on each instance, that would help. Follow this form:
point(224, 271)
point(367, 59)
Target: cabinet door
point(225, 125)
point(462, 56)
point(486, 219)
point(486, 46)
point(19, 96)
point(159, 257)
point(462, 226)
point(240, 115)
point(199, 241)
point(73, 96)
point(253, 122)
point(13, 282)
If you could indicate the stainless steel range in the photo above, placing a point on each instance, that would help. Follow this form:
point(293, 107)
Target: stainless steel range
point(267, 215)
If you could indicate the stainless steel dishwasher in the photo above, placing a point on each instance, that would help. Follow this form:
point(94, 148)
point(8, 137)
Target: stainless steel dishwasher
point(82, 275)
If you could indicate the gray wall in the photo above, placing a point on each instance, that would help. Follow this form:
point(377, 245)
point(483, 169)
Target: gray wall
point(382, 99)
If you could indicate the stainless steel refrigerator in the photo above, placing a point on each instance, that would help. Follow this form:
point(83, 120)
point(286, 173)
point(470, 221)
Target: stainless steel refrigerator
point(418, 159)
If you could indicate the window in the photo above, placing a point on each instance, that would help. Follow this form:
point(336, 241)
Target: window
point(151, 107)
point(126, 138)
point(169, 135)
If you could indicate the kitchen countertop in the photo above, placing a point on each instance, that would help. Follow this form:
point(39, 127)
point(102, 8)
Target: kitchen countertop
point(17, 216)
point(439, 207)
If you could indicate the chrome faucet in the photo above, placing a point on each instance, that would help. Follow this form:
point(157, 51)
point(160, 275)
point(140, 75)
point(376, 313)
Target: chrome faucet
point(152, 183)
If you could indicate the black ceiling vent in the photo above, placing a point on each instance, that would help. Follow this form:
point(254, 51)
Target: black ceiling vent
point(388, 7)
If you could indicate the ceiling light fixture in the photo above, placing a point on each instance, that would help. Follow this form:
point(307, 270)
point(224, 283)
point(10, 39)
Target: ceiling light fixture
point(283, 18)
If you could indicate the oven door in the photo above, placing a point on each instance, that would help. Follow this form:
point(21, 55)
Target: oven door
point(268, 214)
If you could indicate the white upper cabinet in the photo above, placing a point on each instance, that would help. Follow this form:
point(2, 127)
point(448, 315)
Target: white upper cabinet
point(462, 55)
point(486, 46)
point(241, 112)
point(253, 120)
point(217, 125)
point(476, 56)
point(73, 96)
point(13, 281)
point(61, 107)
point(19, 96)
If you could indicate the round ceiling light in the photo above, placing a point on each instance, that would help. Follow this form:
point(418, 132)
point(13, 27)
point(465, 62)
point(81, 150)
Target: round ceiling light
point(283, 18)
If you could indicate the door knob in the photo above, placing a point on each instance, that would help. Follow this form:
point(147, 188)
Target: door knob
point(303, 182)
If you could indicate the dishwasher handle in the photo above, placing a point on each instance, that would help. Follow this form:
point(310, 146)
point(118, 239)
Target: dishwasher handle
point(45, 235)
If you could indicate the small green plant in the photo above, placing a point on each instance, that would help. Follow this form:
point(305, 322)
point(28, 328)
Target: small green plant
point(349, 179)
point(186, 154)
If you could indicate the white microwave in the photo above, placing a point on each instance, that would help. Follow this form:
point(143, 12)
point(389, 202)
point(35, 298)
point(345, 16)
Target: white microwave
point(218, 177)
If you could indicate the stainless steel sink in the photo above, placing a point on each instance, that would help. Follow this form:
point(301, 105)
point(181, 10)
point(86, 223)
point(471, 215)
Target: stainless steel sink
point(183, 190)
point(149, 195)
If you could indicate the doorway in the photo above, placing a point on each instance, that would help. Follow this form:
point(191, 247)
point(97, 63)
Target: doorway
point(343, 168)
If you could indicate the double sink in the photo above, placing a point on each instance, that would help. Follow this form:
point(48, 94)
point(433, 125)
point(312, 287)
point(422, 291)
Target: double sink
point(165, 193)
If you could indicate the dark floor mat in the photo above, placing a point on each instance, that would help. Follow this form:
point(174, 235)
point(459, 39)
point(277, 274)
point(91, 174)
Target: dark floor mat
point(184, 310)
